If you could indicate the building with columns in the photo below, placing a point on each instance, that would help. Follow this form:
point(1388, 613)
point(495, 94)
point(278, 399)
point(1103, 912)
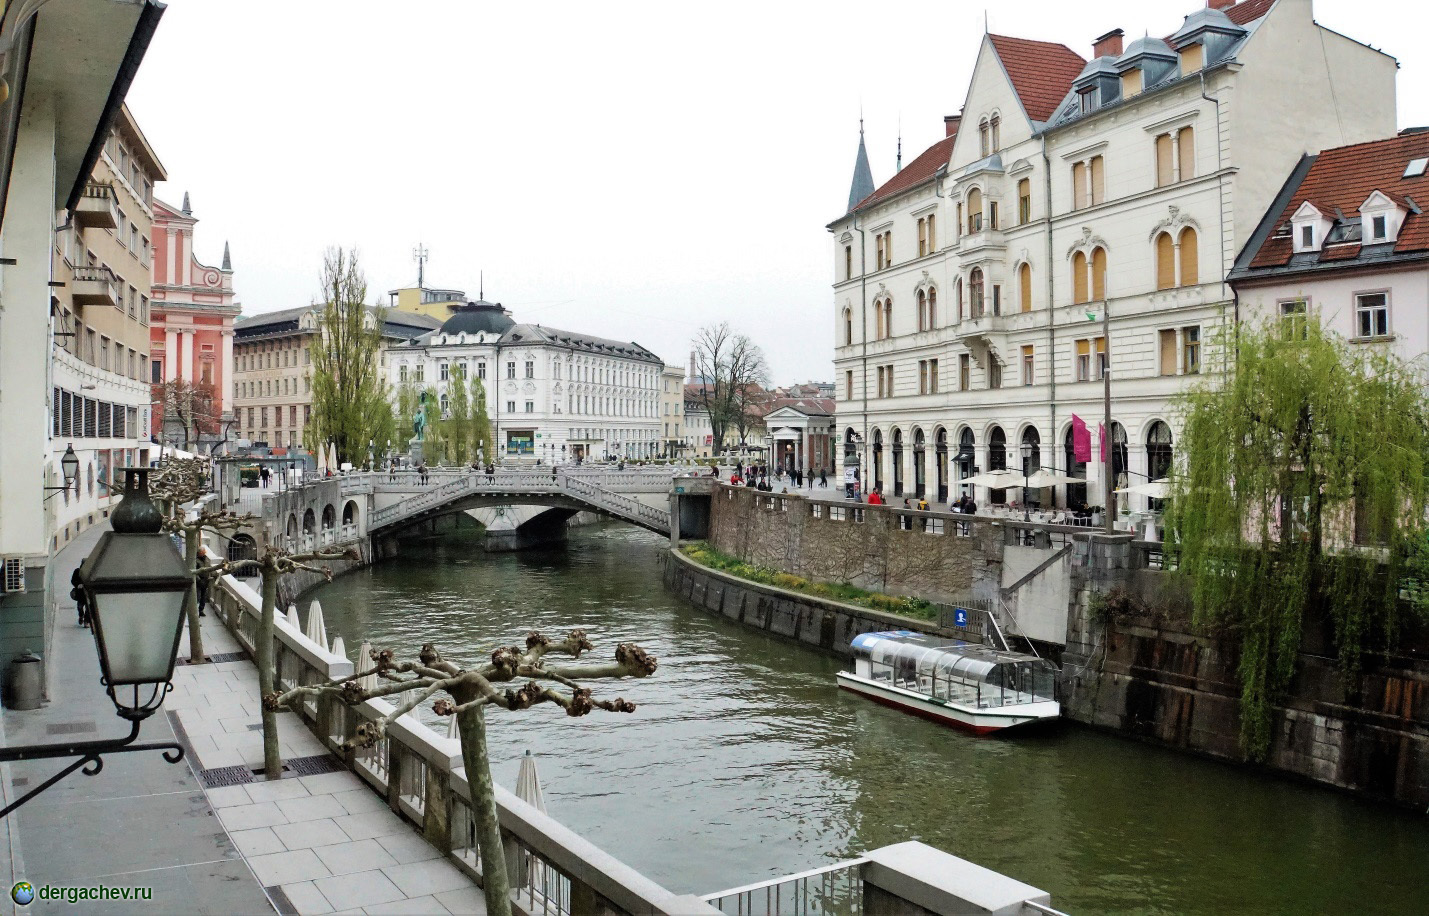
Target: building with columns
point(551, 394)
point(801, 433)
point(192, 311)
point(971, 288)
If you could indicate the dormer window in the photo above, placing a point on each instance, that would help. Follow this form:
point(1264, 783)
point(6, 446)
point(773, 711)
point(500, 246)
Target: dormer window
point(1307, 237)
point(1193, 58)
point(1378, 228)
point(1381, 218)
point(1310, 227)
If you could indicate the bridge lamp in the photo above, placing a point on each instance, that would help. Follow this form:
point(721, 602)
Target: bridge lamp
point(136, 582)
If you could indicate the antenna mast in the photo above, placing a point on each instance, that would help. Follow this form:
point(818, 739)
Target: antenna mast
point(420, 255)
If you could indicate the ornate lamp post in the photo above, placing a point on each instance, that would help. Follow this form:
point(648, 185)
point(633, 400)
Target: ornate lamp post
point(136, 582)
point(371, 455)
point(69, 466)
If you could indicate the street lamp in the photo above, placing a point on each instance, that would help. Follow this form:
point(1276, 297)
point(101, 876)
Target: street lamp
point(371, 454)
point(136, 582)
point(1026, 460)
point(69, 466)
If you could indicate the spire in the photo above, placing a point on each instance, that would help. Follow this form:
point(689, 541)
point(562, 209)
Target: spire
point(862, 175)
point(186, 208)
point(900, 143)
point(480, 284)
point(227, 261)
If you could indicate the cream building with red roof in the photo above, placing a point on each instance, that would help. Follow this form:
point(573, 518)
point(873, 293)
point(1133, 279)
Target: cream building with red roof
point(969, 289)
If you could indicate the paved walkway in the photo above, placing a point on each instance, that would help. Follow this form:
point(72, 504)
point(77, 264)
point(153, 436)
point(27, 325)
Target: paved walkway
point(302, 844)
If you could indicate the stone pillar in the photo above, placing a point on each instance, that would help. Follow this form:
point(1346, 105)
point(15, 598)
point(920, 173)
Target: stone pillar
point(225, 371)
point(186, 354)
point(171, 354)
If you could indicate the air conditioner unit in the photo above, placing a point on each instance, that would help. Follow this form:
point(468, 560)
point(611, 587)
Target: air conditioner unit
point(12, 577)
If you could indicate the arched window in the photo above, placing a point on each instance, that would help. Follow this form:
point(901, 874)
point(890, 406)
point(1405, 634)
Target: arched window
point(878, 457)
point(922, 310)
point(878, 320)
point(309, 521)
point(960, 299)
point(1024, 286)
point(1079, 278)
point(1158, 451)
point(984, 137)
point(848, 326)
point(887, 317)
point(997, 459)
point(1190, 256)
point(941, 456)
point(932, 307)
point(329, 517)
point(920, 474)
point(1076, 492)
point(1029, 461)
point(975, 290)
point(975, 209)
point(1099, 274)
point(1165, 261)
point(349, 513)
point(897, 462)
point(995, 126)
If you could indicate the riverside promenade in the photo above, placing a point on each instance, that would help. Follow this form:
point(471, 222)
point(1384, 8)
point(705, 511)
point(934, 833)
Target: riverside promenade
point(323, 843)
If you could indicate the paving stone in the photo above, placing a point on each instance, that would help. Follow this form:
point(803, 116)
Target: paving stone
point(467, 901)
point(430, 877)
point(311, 808)
point(360, 889)
point(264, 790)
point(354, 856)
point(424, 906)
point(408, 847)
point(257, 842)
point(371, 825)
point(329, 783)
point(228, 797)
point(360, 801)
point(311, 833)
point(246, 817)
point(307, 899)
point(288, 867)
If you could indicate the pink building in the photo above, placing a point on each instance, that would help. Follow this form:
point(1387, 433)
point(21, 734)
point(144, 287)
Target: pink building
point(192, 312)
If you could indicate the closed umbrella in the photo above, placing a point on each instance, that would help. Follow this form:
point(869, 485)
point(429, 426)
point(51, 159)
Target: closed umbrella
point(322, 461)
point(339, 648)
point(528, 789)
point(317, 629)
point(293, 618)
point(332, 457)
point(364, 661)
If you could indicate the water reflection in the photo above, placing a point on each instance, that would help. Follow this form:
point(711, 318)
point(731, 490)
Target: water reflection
point(744, 761)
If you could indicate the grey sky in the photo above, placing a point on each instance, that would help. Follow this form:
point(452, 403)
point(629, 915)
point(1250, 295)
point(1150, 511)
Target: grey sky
point(628, 170)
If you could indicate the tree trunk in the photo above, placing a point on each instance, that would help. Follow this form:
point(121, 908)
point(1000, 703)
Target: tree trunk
point(272, 761)
point(494, 881)
point(191, 542)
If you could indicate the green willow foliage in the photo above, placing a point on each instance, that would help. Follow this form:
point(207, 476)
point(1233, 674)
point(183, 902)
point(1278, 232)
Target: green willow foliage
point(483, 438)
point(350, 402)
point(1302, 490)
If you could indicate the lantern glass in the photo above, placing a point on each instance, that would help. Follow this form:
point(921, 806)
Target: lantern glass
point(139, 633)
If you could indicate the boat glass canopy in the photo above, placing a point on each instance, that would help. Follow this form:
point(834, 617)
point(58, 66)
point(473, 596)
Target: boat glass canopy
point(955, 671)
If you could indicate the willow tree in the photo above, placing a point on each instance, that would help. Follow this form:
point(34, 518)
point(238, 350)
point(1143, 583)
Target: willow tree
point(350, 397)
point(406, 409)
point(435, 439)
point(482, 436)
point(1302, 490)
point(468, 692)
point(459, 424)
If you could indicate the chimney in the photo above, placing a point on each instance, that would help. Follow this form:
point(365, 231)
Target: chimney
point(950, 124)
point(692, 367)
point(1109, 45)
point(1219, 4)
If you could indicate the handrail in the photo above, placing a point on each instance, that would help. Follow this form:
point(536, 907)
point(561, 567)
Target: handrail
point(798, 876)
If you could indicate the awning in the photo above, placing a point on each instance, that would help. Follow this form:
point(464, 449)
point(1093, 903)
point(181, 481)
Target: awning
point(1156, 489)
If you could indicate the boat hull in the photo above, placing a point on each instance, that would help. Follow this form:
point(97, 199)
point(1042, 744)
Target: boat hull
point(977, 721)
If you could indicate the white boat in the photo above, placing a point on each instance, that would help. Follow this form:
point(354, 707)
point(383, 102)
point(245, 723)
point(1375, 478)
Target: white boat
point(956, 683)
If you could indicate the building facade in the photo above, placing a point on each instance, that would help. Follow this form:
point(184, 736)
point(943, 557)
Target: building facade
point(1347, 242)
point(272, 369)
point(672, 412)
point(99, 394)
point(1079, 214)
point(551, 394)
point(191, 313)
point(66, 73)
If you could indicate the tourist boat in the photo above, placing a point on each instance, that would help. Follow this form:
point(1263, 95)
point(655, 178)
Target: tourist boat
point(957, 683)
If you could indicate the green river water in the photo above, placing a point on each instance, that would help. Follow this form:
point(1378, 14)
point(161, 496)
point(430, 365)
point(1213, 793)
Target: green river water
point(744, 761)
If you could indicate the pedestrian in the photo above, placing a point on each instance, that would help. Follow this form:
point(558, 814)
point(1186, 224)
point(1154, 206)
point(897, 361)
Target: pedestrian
point(824, 477)
point(875, 497)
point(201, 583)
point(265, 474)
point(81, 599)
point(922, 504)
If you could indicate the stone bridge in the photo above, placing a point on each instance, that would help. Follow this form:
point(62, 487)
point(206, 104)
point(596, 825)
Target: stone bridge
point(403, 502)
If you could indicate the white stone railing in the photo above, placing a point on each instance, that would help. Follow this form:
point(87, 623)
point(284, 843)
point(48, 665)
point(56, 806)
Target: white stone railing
point(420, 773)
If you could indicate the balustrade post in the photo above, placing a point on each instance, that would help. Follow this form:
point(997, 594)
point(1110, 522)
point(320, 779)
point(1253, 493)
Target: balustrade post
point(437, 809)
point(394, 771)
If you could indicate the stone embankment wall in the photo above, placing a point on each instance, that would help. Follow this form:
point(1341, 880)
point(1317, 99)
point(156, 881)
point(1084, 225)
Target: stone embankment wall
point(1144, 670)
point(831, 540)
point(821, 624)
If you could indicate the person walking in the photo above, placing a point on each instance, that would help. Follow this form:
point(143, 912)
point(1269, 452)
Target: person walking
point(201, 583)
point(81, 598)
point(264, 474)
point(824, 478)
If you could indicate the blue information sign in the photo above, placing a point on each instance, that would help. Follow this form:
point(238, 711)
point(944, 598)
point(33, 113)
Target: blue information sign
point(960, 617)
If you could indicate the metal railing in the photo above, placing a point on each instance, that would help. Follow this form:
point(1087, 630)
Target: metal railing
point(835, 889)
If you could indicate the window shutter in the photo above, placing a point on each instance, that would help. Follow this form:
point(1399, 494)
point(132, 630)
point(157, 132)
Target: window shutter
point(1098, 180)
point(1099, 274)
point(1186, 142)
point(1079, 278)
point(932, 235)
point(1190, 257)
point(1079, 185)
point(1024, 281)
point(1165, 262)
point(1168, 352)
point(1163, 161)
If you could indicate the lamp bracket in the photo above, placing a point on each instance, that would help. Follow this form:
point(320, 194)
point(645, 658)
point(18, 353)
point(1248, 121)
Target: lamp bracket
point(90, 754)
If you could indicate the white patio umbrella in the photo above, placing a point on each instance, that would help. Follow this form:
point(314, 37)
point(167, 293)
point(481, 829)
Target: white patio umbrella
point(293, 618)
point(528, 784)
point(1043, 478)
point(997, 480)
point(1156, 489)
point(317, 627)
point(364, 661)
point(332, 457)
point(339, 648)
point(322, 461)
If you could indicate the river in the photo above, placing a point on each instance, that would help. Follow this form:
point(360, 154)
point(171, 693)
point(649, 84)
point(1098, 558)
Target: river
point(745, 762)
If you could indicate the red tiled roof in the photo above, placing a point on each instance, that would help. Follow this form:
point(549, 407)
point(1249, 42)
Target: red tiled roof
point(1343, 178)
point(1340, 252)
point(813, 407)
point(916, 172)
point(1247, 11)
point(1041, 72)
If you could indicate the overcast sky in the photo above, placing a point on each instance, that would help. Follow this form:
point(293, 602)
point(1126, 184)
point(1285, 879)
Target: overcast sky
point(628, 170)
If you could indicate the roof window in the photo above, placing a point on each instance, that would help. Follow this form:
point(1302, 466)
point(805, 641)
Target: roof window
point(1416, 168)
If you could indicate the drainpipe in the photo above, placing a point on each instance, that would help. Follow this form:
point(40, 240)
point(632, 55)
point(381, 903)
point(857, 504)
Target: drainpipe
point(1051, 302)
point(1221, 195)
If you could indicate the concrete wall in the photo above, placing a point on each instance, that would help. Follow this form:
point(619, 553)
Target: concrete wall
point(875, 553)
point(1151, 674)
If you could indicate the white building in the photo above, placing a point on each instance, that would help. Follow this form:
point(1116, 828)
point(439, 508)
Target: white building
point(551, 394)
point(969, 289)
point(1347, 242)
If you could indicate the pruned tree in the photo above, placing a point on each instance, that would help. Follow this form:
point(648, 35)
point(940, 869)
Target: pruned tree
point(1303, 487)
point(272, 565)
point(193, 406)
point(732, 369)
point(469, 690)
point(349, 394)
point(177, 483)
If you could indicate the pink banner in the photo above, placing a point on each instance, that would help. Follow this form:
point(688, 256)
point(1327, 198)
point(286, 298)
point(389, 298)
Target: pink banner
point(1101, 437)
point(1081, 440)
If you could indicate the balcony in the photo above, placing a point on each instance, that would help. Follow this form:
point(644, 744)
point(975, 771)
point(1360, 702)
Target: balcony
point(96, 208)
point(94, 286)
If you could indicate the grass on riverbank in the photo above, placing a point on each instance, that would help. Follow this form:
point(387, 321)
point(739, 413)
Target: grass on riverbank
point(701, 552)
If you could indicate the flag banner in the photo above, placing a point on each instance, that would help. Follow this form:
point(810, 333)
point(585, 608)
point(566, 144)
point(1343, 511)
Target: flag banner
point(1081, 440)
